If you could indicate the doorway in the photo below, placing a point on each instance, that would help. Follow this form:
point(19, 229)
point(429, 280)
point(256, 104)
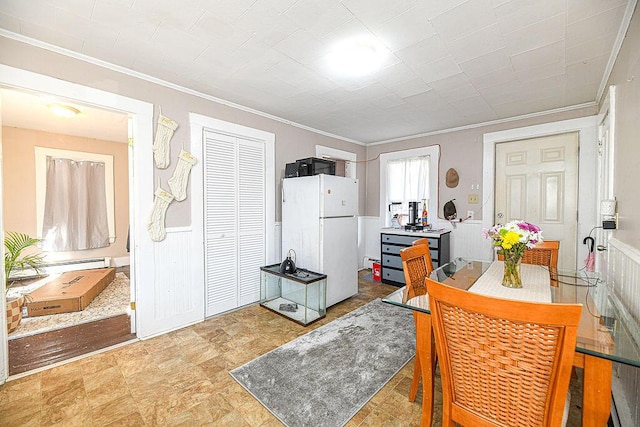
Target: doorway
point(238, 191)
point(586, 128)
point(140, 124)
point(537, 181)
point(94, 134)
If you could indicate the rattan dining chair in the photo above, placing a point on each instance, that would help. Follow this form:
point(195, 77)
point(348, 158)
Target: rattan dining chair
point(425, 241)
point(417, 266)
point(544, 253)
point(502, 362)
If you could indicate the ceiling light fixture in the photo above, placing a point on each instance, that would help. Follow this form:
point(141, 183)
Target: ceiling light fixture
point(64, 111)
point(358, 56)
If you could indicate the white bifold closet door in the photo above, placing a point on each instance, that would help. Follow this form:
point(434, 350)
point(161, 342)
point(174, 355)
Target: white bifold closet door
point(234, 216)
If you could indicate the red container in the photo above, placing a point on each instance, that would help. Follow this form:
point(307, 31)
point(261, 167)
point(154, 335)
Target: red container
point(376, 272)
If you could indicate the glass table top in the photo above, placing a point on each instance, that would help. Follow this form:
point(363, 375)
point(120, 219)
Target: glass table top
point(606, 329)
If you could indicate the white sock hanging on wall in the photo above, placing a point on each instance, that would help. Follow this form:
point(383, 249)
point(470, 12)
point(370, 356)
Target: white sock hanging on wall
point(164, 133)
point(178, 182)
point(155, 225)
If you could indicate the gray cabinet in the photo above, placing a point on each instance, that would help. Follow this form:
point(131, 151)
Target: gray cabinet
point(393, 242)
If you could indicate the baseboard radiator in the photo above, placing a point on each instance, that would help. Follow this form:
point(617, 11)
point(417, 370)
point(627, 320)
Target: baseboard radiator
point(74, 265)
point(64, 266)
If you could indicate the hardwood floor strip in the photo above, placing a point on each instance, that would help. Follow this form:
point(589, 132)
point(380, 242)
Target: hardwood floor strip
point(43, 349)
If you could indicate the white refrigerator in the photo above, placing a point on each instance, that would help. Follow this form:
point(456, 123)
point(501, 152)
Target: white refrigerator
point(319, 224)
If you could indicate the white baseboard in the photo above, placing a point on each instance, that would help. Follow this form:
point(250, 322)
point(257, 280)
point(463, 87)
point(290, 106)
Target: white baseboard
point(121, 261)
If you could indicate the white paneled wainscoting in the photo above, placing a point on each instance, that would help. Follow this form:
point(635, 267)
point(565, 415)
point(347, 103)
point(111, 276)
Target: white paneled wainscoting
point(368, 240)
point(171, 295)
point(623, 276)
point(467, 241)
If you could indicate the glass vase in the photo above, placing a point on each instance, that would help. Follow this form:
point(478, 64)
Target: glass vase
point(511, 277)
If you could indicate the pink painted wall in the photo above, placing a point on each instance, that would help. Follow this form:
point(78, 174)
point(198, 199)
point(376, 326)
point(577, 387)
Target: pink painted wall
point(19, 184)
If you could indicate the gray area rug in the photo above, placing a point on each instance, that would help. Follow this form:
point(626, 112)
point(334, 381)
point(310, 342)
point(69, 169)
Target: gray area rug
point(325, 377)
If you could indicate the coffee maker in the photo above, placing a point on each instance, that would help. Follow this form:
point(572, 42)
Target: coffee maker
point(414, 217)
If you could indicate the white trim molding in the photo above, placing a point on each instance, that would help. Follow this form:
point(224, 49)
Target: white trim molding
point(433, 151)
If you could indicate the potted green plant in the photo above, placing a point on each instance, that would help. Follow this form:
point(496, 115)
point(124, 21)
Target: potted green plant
point(15, 260)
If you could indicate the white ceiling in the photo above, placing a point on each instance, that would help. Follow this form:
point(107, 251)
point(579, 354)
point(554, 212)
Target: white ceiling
point(451, 62)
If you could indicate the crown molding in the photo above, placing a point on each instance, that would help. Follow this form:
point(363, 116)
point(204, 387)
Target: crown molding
point(123, 70)
point(489, 123)
point(617, 45)
point(155, 80)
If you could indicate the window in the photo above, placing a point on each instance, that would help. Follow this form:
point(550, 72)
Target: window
point(408, 176)
point(41, 154)
point(408, 180)
point(75, 209)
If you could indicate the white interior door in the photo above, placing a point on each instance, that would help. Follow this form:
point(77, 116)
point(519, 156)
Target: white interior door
point(221, 237)
point(235, 220)
point(251, 219)
point(537, 181)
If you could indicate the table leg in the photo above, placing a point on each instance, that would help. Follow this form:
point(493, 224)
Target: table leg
point(596, 391)
point(415, 382)
point(425, 352)
point(417, 371)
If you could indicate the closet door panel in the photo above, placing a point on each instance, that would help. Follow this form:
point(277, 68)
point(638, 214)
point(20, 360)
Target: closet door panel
point(251, 218)
point(220, 212)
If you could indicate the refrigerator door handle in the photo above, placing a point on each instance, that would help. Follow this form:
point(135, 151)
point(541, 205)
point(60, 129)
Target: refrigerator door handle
point(331, 217)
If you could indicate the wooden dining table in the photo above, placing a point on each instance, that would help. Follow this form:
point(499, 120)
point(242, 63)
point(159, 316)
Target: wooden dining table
point(606, 332)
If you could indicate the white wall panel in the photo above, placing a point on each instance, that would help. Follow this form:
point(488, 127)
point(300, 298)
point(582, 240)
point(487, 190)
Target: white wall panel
point(179, 303)
point(368, 239)
point(467, 241)
point(623, 275)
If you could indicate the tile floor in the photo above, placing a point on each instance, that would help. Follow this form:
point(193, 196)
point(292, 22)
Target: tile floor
point(182, 378)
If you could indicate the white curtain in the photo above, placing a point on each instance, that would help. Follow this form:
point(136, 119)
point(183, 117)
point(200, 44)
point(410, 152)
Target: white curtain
point(408, 180)
point(75, 210)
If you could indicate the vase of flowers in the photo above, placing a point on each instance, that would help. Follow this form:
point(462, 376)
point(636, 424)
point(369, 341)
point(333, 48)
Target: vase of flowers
point(511, 240)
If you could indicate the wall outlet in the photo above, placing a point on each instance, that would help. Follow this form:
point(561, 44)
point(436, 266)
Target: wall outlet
point(469, 214)
point(473, 199)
